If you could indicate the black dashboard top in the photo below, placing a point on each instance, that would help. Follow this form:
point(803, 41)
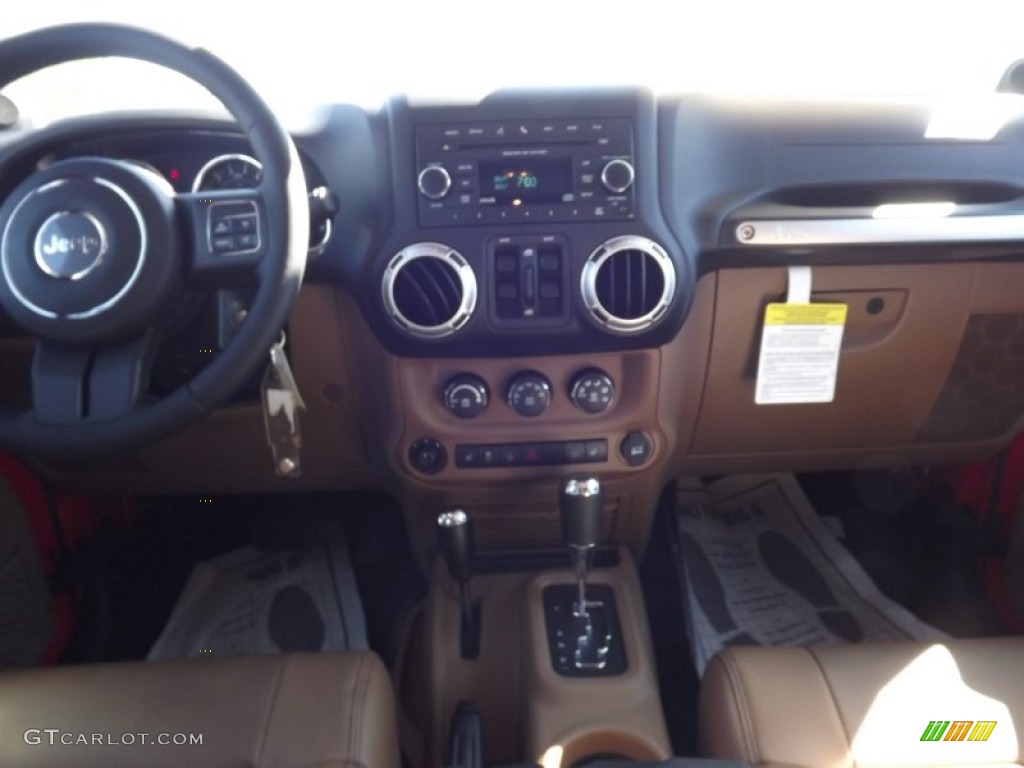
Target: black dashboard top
point(544, 222)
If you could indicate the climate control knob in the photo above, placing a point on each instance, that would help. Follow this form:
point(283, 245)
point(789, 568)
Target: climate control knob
point(465, 395)
point(592, 390)
point(434, 182)
point(529, 393)
point(617, 175)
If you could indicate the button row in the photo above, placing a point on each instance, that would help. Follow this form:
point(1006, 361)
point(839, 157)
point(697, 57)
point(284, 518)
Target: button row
point(473, 456)
point(234, 224)
point(235, 243)
point(533, 130)
point(440, 216)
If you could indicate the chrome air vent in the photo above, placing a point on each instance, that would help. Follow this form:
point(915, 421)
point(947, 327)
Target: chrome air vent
point(628, 283)
point(429, 290)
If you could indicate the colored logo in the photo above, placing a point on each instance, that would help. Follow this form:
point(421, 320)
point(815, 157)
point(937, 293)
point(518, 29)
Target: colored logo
point(958, 730)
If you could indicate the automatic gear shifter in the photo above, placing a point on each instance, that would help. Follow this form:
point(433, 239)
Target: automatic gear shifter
point(581, 503)
point(587, 632)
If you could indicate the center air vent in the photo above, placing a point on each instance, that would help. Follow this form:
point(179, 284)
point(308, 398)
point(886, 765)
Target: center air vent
point(628, 283)
point(429, 290)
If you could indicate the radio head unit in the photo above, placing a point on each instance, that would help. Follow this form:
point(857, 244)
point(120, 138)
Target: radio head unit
point(525, 171)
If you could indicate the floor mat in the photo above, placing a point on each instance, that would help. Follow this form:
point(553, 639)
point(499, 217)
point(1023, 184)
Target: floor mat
point(249, 601)
point(760, 567)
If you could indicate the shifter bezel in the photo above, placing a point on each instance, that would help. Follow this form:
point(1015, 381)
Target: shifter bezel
point(561, 626)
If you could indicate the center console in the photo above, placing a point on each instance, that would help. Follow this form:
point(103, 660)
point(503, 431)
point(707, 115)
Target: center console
point(554, 663)
point(523, 295)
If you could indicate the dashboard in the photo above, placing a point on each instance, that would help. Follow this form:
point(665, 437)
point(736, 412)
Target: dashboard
point(544, 282)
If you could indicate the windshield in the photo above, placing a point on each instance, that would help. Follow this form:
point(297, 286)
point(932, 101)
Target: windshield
point(299, 53)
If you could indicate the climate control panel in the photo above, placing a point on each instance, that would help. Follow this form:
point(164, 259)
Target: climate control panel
point(468, 421)
point(529, 393)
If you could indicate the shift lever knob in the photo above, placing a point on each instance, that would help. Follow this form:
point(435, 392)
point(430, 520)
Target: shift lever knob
point(455, 539)
point(581, 503)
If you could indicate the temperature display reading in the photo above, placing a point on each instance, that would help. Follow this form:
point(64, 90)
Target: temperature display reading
point(526, 181)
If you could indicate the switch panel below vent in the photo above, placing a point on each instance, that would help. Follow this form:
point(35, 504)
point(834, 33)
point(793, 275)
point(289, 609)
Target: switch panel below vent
point(529, 280)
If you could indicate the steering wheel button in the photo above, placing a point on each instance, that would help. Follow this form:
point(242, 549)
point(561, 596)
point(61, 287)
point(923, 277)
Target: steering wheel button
point(221, 227)
point(248, 242)
point(244, 223)
point(224, 244)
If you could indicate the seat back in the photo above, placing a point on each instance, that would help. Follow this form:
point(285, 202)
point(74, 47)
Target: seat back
point(876, 704)
point(324, 710)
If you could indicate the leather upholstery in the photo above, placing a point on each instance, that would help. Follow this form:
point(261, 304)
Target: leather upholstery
point(864, 705)
point(326, 710)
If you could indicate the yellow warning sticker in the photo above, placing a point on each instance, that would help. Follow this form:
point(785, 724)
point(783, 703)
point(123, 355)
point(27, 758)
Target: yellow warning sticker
point(805, 314)
point(799, 359)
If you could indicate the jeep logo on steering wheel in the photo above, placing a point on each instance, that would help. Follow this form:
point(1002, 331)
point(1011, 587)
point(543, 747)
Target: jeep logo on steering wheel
point(70, 244)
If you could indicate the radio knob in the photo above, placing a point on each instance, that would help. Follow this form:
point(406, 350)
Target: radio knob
point(434, 182)
point(617, 175)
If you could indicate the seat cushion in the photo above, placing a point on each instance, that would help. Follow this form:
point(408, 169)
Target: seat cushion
point(324, 710)
point(874, 704)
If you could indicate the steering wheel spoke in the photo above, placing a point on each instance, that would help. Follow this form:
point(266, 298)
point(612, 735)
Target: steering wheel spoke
point(227, 230)
point(75, 385)
point(59, 383)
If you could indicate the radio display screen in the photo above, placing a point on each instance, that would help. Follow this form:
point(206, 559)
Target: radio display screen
point(525, 180)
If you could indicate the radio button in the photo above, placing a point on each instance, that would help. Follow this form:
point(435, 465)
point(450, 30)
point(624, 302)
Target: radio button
point(434, 182)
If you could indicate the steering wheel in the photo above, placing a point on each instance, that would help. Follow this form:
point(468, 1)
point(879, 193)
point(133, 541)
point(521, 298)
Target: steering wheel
point(94, 251)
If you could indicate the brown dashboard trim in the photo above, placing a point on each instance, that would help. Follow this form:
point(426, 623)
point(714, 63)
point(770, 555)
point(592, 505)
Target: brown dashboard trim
point(893, 366)
point(693, 396)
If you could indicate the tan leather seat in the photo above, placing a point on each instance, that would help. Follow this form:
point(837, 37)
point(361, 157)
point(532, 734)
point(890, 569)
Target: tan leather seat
point(867, 705)
point(323, 710)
